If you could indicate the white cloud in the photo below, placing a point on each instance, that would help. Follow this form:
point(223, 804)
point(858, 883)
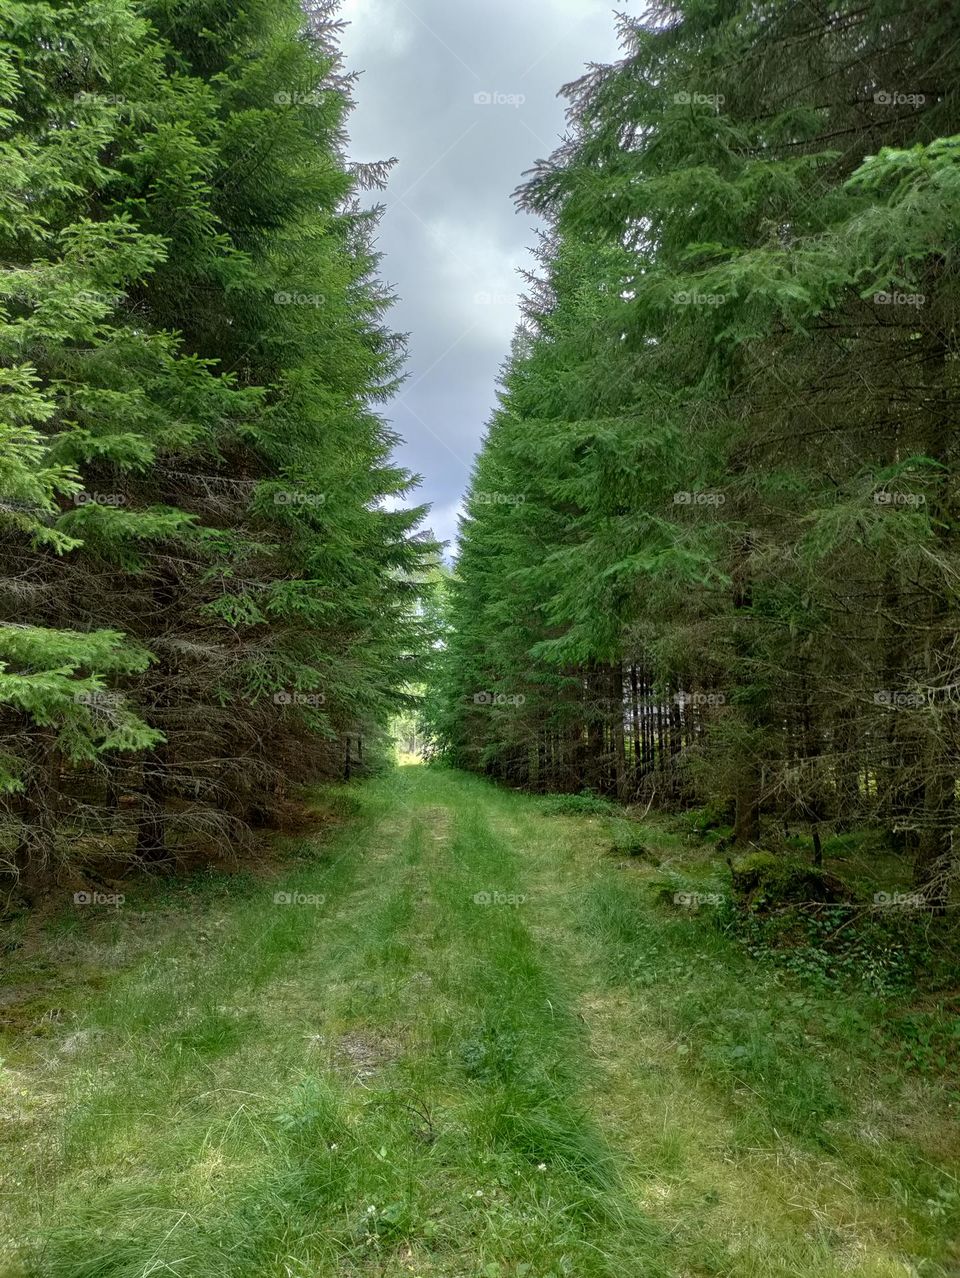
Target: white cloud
point(444, 520)
point(477, 275)
point(377, 28)
point(452, 238)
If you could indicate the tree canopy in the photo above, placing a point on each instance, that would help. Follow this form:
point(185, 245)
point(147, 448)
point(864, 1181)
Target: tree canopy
point(709, 551)
point(209, 569)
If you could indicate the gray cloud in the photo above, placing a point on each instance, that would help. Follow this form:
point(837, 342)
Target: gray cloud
point(464, 93)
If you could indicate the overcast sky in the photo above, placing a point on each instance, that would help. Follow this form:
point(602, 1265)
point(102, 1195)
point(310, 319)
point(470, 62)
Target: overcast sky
point(464, 94)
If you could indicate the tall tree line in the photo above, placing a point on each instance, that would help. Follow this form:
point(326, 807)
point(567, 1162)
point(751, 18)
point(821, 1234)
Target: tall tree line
point(709, 551)
point(208, 588)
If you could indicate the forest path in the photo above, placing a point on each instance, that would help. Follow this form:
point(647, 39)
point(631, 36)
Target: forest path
point(464, 1043)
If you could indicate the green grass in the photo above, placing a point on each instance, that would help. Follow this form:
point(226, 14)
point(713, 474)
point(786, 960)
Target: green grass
point(492, 1050)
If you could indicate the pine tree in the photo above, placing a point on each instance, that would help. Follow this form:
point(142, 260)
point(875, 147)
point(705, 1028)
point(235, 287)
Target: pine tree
point(212, 354)
point(739, 448)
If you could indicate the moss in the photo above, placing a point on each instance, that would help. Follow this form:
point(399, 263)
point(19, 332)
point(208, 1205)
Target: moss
point(762, 881)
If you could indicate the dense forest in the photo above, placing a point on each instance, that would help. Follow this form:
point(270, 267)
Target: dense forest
point(208, 582)
point(576, 898)
point(710, 551)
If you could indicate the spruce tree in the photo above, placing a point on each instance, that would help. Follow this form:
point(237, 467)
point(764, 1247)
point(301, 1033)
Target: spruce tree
point(734, 427)
point(212, 355)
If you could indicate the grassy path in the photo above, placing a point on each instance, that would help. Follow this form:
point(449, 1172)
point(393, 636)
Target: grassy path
point(471, 1048)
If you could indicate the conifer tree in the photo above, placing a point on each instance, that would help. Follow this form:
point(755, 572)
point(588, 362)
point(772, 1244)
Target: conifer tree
point(734, 422)
point(194, 303)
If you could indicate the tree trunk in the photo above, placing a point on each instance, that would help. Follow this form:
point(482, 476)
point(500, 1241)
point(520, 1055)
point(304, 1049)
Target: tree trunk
point(933, 864)
point(746, 827)
point(34, 854)
point(151, 824)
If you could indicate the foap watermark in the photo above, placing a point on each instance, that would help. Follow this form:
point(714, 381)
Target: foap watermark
point(99, 499)
point(483, 298)
point(891, 697)
point(899, 299)
point(97, 297)
point(699, 499)
point(283, 298)
point(693, 900)
point(885, 498)
point(288, 497)
point(499, 898)
point(893, 97)
point(496, 98)
point(22, 507)
point(499, 499)
point(100, 700)
point(497, 699)
point(310, 700)
point(683, 98)
point(114, 899)
point(299, 898)
point(99, 99)
point(700, 698)
point(290, 97)
point(687, 298)
point(899, 900)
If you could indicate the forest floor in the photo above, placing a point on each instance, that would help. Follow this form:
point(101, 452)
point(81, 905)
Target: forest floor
point(474, 1044)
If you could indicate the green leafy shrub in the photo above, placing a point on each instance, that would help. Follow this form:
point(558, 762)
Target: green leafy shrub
point(584, 804)
point(762, 881)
